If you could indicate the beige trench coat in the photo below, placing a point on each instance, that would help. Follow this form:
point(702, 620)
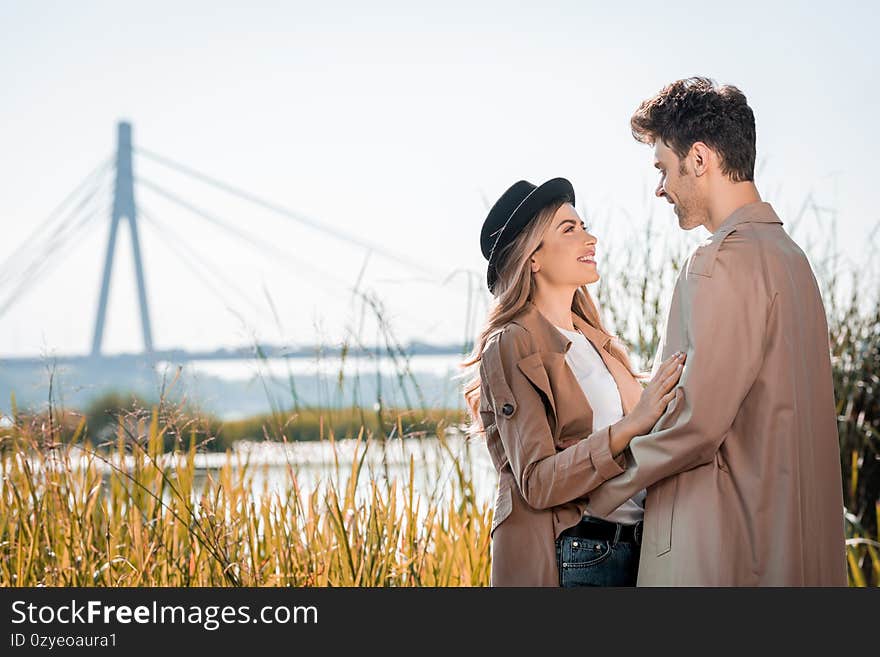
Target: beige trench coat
point(743, 474)
point(539, 432)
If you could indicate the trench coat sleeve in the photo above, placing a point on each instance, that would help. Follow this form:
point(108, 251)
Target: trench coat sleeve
point(545, 477)
point(728, 303)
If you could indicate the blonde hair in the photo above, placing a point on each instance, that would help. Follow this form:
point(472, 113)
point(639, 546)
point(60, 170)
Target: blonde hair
point(513, 290)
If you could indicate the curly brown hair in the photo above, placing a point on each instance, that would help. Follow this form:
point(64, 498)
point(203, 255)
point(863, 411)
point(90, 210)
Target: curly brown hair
point(697, 109)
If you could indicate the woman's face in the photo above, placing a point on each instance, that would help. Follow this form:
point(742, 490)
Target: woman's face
point(567, 255)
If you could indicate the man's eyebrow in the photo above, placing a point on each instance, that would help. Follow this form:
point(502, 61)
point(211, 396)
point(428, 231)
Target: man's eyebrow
point(657, 165)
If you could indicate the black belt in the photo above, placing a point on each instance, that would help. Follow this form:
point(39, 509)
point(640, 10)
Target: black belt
point(603, 530)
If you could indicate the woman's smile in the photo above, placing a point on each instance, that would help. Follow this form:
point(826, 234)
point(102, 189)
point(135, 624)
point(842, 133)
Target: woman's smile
point(588, 258)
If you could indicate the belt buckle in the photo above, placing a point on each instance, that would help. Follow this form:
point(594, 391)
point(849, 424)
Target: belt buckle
point(637, 532)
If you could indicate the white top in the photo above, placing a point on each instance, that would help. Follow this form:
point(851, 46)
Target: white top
point(601, 391)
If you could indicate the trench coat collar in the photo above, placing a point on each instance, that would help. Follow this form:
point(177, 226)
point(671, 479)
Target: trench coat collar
point(756, 212)
point(550, 338)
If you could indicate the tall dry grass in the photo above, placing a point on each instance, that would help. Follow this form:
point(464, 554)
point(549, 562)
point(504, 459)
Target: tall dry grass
point(63, 522)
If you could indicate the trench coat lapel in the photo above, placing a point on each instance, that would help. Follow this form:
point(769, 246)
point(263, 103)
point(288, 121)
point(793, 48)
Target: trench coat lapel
point(535, 367)
point(548, 361)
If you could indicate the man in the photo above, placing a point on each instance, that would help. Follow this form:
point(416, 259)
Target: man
point(743, 474)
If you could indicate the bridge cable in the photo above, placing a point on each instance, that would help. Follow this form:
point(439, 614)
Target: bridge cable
point(21, 251)
point(285, 212)
point(284, 257)
point(41, 267)
point(174, 241)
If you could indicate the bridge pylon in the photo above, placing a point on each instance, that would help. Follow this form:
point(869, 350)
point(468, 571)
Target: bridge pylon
point(124, 208)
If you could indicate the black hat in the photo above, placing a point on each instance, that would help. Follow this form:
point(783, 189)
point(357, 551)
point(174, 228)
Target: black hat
point(512, 212)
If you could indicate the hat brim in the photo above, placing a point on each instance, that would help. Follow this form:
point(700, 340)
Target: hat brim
point(523, 213)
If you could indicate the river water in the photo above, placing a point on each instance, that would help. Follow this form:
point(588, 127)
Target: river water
point(270, 467)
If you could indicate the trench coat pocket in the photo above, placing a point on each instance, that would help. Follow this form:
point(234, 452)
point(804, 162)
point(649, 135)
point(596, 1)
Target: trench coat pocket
point(662, 526)
point(503, 506)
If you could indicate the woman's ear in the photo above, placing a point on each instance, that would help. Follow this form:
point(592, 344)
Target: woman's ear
point(535, 265)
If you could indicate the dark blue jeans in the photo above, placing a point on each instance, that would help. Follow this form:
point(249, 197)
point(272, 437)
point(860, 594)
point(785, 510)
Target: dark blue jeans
point(591, 562)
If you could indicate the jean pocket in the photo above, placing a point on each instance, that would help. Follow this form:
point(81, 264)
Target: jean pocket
point(586, 562)
point(583, 552)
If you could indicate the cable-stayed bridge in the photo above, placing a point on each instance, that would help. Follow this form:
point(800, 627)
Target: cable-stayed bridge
point(85, 208)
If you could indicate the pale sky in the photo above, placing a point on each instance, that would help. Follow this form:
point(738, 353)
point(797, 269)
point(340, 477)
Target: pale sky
point(395, 124)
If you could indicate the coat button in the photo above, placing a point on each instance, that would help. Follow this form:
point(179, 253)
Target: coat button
point(507, 409)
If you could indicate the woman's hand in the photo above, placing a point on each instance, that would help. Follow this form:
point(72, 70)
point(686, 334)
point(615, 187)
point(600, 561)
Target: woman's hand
point(652, 404)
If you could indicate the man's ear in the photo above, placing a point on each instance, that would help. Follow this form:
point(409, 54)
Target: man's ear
point(701, 156)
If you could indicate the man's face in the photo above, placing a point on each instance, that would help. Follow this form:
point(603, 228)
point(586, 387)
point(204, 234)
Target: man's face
point(678, 185)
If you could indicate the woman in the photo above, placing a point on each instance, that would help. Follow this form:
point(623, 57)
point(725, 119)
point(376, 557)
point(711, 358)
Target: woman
point(556, 397)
